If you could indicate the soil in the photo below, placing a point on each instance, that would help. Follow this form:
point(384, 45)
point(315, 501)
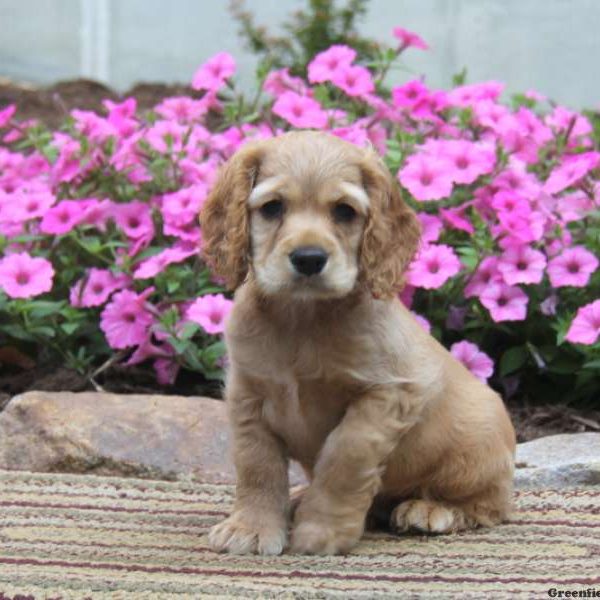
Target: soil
point(50, 105)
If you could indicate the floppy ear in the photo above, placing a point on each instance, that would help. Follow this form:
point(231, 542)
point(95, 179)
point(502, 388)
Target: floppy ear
point(224, 217)
point(392, 232)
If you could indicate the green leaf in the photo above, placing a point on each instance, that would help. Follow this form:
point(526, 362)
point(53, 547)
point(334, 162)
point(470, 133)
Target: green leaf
point(39, 309)
point(513, 359)
point(69, 328)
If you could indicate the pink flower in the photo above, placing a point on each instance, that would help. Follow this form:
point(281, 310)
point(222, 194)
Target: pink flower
point(157, 263)
point(23, 276)
point(135, 219)
point(571, 171)
point(409, 94)
point(456, 218)
point(477, 361)
point(433, 266)
point(355, 81)
point(183, 206)
point(325, 65)
point(574, 267)
point(426, 177)
point(422, 321)
point(486, 273)
point(522, 264)
point(214, 72)
point(408, 39)
point(63, 217)
point(280, 81)
point(431, 227)
point(505, 303)
point(585, 327)
point(24, 205)
point(181, 109)
point(6, 114)
point(166, 370)
point(467, 95)
point(468, 160)
point(96, 288)
point(300, 111)
point(210, 311)
point(126, 319)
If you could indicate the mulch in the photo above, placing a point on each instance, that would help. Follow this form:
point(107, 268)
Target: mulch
point(74, 536)
point(52, 104)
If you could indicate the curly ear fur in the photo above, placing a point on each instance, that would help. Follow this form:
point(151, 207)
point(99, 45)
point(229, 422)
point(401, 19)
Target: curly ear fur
point(392, 233)
point(224, 217)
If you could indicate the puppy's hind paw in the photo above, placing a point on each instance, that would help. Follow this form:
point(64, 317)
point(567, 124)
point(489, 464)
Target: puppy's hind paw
point(426, 516)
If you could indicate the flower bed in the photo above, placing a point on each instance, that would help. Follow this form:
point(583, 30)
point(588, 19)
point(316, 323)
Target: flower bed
point(100, 235)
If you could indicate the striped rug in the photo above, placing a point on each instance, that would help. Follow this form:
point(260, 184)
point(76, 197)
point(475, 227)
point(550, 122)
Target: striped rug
point(72, 536)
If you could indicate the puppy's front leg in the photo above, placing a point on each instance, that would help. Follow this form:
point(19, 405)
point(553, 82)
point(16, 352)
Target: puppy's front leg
point(258, 523)
point(331, 516)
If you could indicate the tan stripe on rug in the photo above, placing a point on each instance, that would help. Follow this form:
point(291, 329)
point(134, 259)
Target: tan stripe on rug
point(72, 536)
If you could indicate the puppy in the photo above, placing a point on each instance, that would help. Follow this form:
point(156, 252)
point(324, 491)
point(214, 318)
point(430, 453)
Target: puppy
point(327, 367)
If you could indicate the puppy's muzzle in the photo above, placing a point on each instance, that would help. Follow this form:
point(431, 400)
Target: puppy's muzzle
point(308, 260)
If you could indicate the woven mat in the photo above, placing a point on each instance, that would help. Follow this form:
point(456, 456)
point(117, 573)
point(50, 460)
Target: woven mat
point(70, 536)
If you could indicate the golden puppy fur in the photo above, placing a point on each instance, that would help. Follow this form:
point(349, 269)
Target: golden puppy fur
point(330, 369)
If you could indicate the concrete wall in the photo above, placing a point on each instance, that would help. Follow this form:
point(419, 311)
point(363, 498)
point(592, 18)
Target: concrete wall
point(550, 45)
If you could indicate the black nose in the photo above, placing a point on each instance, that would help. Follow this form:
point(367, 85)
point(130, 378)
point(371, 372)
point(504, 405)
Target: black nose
point(308, 260)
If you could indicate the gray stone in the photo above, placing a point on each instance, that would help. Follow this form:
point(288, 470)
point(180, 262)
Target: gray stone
point(158, 437)
point(556, 461)
point(144, 436)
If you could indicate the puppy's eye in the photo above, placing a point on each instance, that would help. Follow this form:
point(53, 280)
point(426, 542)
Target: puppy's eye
point(272, 210)
point(343, 213)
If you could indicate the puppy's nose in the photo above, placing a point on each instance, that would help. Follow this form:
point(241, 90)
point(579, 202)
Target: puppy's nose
point(308, 260)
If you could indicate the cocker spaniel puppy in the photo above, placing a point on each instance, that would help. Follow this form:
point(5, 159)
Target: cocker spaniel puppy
point(327, 367)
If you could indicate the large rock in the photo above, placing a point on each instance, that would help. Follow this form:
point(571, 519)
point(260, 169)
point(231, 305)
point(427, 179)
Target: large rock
point(567, 459)
point(158, 437)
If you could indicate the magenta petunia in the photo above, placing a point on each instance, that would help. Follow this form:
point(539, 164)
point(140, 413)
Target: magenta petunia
point(433, 266)
point(573, 266)
point(477, 361)
point(157, 263)
point(426, 177)
point(505, 302)
point(431, 227)
point(468, 160)
point(25, 276)
point(355, 81)
point(408, 39)
point(485, 274)
point(408, 94)
point(63, 217)
point(422, 321)
point(214, 72)
point(585, 327)
point(6, 114)
point(324, 66)
point(126, 320)
point(134, 219)
point(24, 205)
point(571, 171)
point(96, 287)
point(522, 264)
point(210, 311)
point(300, 111)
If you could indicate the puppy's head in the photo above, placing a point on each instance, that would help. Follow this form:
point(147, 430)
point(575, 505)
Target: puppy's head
point(311, 216)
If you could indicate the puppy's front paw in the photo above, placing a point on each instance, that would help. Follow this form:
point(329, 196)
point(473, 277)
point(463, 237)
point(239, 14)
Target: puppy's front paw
point(318, 537)
point(249, 534)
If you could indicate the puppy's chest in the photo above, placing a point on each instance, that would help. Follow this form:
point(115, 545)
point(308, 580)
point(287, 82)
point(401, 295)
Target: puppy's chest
point(304, 412)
